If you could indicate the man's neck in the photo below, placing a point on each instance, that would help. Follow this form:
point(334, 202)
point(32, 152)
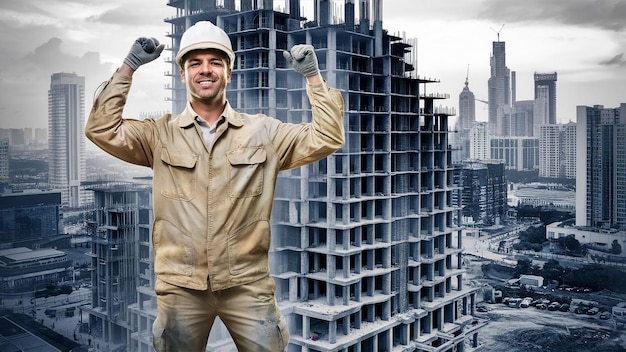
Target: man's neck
point(209, 112)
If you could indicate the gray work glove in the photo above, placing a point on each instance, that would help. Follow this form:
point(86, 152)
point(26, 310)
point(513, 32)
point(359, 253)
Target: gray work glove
point(303, 59)
point(143, 51)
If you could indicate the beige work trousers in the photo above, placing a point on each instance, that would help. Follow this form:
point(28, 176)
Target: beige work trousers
point(249, 312)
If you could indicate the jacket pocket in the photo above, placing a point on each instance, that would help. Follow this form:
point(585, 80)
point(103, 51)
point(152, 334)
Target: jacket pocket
point(174, 252)
point(248, 248)
point(178, 178)
point(245, 174)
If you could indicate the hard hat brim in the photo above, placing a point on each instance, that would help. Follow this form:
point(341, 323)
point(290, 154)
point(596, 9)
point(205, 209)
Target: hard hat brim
point(205, 45)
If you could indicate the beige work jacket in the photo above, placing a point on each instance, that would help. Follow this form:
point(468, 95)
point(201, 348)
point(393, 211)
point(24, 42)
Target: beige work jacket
point(212, 204)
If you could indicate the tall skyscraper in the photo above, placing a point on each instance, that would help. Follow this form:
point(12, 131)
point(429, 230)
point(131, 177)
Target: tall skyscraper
point(545, 84)
point(66, 140)
point(601, 166)
point(467, 107)
point(467, 117)
point(499, 92)
point(541, 109)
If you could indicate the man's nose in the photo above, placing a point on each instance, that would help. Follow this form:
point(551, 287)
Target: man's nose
point(206, 67)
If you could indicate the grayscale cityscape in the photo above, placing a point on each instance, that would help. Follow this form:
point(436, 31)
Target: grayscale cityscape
point(429, 230)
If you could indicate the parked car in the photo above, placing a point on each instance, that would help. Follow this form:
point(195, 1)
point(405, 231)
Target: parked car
point(593, 311)
point(526, 302)
point(605, 315)
point(564, 307)
point(554, 306)
point(580, 310)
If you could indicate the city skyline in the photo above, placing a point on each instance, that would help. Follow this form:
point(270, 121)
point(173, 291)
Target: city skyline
point(583, 42)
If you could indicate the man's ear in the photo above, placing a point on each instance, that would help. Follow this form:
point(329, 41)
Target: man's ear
point(229, 73)
point(182, 75)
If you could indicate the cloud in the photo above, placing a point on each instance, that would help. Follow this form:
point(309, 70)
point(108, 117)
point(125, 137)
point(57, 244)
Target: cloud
point(26, 80)
point(603, 14)
point(617, 60)
point(128, 14)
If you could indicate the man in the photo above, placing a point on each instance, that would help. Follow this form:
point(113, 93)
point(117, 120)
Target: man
point(214, 173)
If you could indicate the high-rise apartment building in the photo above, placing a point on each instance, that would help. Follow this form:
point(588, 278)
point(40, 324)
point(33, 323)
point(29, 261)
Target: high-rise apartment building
point(484, 196)
point(66, 140)
point(366, 246)
point(557, 151)
point(601, 166)
point(545, 85)
point(479, 142)
point(499, 91)
point(4, 162)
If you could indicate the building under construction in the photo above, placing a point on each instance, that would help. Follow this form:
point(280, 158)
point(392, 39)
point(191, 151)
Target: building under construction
point(366, 247)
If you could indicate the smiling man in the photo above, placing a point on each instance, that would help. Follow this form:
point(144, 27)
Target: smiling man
point(215, 173)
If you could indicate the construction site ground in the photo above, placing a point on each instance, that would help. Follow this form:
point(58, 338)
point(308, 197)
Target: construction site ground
point(540, 330)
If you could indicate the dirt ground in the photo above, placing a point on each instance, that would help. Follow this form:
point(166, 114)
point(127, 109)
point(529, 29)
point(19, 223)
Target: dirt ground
point(534, 330)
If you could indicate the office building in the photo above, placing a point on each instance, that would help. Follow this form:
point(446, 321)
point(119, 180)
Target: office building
point(29, 217)
point(499, 91)
point(66, 141)
point(540, 109)
point(518, 153)
point(460, 140)
point(545, 88)
point(601, 166)
point(557, 151)
point(484, 197)
point(467, 108)
point(523, 116)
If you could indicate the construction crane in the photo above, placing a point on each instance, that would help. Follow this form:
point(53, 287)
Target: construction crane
point(498, 31)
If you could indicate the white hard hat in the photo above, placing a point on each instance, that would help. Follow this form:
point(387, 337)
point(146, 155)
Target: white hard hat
point(205, 35)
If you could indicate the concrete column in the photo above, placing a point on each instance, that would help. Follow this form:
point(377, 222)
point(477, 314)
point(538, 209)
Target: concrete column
point(330, 294)
point(293, 289)
point(306, 327)
point(332, 331)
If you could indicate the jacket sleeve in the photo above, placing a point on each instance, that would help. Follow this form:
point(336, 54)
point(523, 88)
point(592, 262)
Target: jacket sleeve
point(302, 144)
point(127, 139)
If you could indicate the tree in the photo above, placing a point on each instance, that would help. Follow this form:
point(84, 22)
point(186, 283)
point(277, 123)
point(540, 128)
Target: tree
point(616, 248)
point(571, 244)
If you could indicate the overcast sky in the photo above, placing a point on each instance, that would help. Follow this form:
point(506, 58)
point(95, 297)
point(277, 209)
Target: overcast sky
point(583, 41)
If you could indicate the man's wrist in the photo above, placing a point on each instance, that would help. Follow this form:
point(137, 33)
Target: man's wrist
point(125, 70)
point(315, 79)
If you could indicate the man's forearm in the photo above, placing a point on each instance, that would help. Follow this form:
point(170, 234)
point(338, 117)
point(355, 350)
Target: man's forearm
point(315, 79)
point(125, 70)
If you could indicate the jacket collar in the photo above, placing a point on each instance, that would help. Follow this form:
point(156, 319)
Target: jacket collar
point(187, 117)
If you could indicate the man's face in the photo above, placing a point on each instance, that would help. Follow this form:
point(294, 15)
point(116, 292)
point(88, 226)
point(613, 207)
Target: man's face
point(206, 73)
